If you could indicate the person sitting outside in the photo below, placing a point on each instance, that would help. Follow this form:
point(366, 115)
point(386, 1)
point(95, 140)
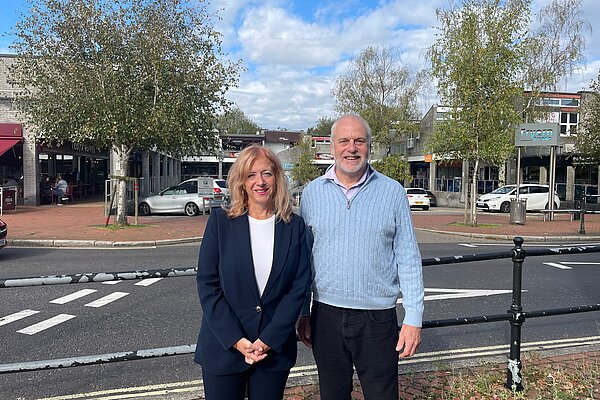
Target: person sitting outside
point(46, 190)
point(61, 189)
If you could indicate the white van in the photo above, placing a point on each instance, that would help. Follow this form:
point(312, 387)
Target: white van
point(499, 199)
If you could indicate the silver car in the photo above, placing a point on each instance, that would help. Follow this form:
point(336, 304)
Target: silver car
point(175, 200)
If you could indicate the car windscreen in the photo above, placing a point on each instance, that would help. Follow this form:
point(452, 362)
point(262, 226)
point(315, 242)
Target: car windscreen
point(503, 190)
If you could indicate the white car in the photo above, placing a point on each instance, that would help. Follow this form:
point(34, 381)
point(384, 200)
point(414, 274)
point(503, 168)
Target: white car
point(499, 199)
point(418, 197)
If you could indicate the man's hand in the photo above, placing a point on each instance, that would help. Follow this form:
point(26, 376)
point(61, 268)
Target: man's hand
point(247, 349)
point(303, 330)
point(409, 340)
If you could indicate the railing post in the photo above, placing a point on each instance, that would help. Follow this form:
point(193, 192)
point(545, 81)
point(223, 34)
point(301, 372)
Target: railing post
point(582, 216)
point(514, 379)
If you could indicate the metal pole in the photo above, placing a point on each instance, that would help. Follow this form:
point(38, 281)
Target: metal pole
point(552, 181)
point(514, 379)
point(135, 200)
point(518, 182)
point(582, 215)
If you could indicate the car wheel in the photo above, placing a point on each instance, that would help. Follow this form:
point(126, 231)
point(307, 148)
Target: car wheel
point(505, 207)
point(425, 208)
point(144, 209)
point(191, 209)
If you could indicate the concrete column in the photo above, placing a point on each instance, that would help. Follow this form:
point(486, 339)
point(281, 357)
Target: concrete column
point(543, 175)
point(31, 170)
point(155, 185)
point(432, 175)
point(145, 183)
point(570, 196)
point(164, 172)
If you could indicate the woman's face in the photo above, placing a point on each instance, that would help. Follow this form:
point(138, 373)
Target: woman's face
point(260, 184)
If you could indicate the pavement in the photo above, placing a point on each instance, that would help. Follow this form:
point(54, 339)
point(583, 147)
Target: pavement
point(83, 224)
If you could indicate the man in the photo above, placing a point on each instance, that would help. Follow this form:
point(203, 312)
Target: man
point(364, 254)
point(61, 189)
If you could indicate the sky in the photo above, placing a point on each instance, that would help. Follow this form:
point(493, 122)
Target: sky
point(294, 50)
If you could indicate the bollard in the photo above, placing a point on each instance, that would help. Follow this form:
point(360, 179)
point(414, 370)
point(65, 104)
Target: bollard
point(514, 379)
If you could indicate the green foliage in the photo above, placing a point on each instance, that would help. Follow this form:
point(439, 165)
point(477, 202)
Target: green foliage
point(383, 91)
point(322, 127)
point(394, 166)
point(234, 121)
point(125, 74)
point(305, 171)
point(588, 134)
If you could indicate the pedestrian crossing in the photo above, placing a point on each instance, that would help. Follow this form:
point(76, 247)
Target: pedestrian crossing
point(48, 322)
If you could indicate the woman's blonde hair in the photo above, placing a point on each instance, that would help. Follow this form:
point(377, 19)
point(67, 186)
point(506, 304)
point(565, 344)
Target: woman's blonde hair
point(237, 178)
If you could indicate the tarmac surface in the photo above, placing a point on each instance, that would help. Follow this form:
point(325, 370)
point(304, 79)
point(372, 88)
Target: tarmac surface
point(83, 224)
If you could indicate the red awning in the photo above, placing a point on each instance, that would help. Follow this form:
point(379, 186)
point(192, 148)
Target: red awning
point(7, 144)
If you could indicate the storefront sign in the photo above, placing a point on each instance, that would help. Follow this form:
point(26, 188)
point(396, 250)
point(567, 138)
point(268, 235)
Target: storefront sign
point(535, 135)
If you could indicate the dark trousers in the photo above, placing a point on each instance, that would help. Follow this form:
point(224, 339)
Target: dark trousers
point(367, 339)
point(261, 385)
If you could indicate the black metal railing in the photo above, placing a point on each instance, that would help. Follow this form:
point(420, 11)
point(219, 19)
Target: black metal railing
point(516, 316)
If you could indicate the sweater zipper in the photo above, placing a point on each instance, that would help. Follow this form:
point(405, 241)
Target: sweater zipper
point(349, 201)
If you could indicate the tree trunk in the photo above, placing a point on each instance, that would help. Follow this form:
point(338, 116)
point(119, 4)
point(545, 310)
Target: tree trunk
point(121, 163)
point(474, 193)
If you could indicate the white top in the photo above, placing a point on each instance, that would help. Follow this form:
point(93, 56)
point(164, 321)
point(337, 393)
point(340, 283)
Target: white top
point(262, 241)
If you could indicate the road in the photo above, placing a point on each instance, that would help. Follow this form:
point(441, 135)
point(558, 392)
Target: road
point(163, 313)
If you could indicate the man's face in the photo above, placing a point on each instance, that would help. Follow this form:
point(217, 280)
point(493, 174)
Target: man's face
point(350, 147)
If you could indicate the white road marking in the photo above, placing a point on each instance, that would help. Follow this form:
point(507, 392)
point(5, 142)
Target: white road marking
point(73, 296)
point(467, 245)
point(557, 265)
point(111, 282)
point(147, 281)
point(460, 293)
point(17, 316)
point(311, 370)
point(106, 299)
point(49, 323)
point(580, 263)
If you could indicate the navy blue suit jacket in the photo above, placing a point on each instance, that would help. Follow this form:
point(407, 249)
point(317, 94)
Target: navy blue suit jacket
point(231, 304)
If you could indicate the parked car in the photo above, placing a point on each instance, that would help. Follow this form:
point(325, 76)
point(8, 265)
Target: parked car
point(3, 233)
point(417, 197)
point(175, 200)
point(432, 198)
point(499, 199)
point(220, 191)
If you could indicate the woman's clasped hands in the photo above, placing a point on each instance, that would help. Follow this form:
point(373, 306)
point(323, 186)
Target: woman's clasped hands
point(252, 352)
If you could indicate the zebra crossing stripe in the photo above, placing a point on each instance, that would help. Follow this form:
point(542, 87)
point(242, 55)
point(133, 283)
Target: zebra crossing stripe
point(73, 296)
point(147, 281)
point(17, 316)
point(106, 299)
point(49, 323)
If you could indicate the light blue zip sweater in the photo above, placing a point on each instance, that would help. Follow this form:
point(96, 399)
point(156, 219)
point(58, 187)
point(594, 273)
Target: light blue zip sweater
point(364, 250)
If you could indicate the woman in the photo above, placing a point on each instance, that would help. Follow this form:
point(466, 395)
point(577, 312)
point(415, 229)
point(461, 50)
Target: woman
point(253, 276)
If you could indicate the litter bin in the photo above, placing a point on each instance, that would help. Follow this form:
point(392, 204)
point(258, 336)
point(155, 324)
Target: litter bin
point(518, 208)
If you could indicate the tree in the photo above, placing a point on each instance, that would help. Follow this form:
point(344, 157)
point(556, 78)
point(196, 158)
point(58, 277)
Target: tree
point(123, 75)
point(394, 166)
point(476, 58)
point(588, 135)
point(322, 127)
point(553, 50)
point(234, 121)
point(383, 91)
point(305, 170)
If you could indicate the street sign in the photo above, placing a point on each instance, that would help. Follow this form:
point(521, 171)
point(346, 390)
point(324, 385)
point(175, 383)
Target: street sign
point(536, 135)
point(205, 186)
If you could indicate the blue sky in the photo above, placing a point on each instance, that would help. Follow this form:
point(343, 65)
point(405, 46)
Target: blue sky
point(294, 50)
